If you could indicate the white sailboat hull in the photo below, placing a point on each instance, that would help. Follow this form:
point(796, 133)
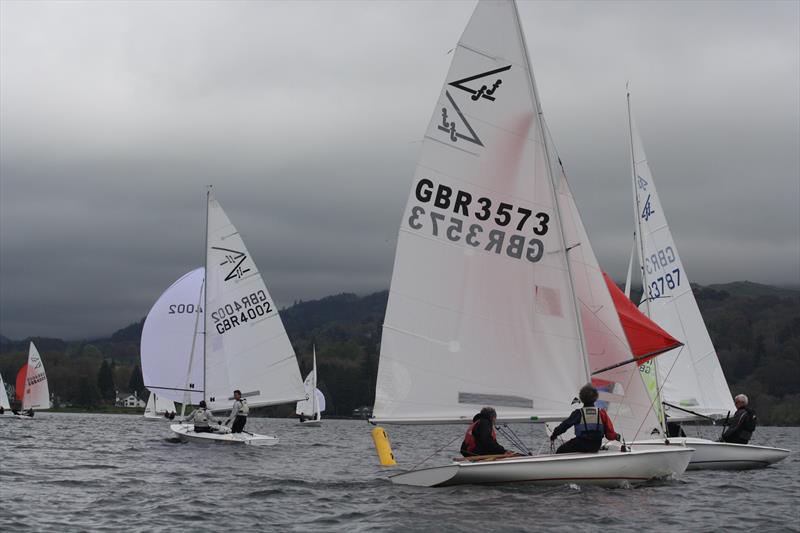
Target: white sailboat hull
point(311, 423)
point(605, 468)
point(151, 417)
point(186, 433)
point(710, 455)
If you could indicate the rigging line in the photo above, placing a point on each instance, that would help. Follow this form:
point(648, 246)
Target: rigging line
point(690, 412)
point(509, 433)
point(434, 453)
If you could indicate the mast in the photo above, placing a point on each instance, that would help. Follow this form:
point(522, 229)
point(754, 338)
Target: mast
point(535, 94)
point(314, 382)
point(637, 235)
point(205, 292)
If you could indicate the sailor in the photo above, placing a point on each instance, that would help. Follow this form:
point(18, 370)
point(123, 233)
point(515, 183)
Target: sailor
point(2, 410)
point(743, 424)
point(481, 437)
point(239, 412)
point(591, 424)
point(202, 419)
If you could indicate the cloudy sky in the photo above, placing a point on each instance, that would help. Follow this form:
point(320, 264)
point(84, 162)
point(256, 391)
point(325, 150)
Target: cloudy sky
point(307, 117)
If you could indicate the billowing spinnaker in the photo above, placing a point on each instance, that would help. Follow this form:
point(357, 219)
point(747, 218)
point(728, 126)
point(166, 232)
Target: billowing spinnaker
point(691, 377)
point(172, 341)
point(480, 309)
point(246, 346)
point(622, 391)
point(36, 392)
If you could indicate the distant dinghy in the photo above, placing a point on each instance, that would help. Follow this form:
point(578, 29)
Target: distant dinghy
point(32, 388)
point(4, 403)
point(244, 347)
point(496, 296)
point(158, 408)
point(310, 409)
point(689, 381)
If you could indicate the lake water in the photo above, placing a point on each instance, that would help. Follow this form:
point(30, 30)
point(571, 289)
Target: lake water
point(77, 472)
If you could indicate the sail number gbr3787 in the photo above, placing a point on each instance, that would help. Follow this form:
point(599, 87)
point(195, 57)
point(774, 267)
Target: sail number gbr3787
point(472, 216)
point(239, 312)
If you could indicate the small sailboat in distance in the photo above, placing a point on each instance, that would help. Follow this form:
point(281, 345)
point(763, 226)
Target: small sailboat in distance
point(4, 403)
point(158, 408)
point(496, 296)
point(31, 385)
point(232, 338)
point(310, 410)
point(689, 382)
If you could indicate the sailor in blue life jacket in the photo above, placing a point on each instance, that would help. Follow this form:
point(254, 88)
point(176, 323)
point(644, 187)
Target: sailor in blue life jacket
point(481, 437)
point(239, 411)
point(591, 424)
point(743, 424)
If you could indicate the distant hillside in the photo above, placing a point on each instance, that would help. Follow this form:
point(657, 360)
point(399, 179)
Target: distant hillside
point(755, 328)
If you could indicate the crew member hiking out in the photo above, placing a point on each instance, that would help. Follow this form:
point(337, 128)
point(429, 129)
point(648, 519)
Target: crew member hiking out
point(743, 424)
point(202, 419)
point(591, 424)
point(481, 437)
point(239, 412)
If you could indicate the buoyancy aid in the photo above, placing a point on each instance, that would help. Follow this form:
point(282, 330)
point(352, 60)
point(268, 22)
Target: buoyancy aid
point(591, 425)
point(244, 410)
point(470, 444)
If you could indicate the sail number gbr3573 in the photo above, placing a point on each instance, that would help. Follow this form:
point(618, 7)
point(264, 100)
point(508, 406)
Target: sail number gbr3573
point(239, 312)
point(472, 215)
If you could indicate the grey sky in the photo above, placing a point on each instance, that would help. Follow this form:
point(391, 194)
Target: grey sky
point(306, 117)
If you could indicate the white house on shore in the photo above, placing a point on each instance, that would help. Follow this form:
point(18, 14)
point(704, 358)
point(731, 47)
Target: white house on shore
point(132, 401)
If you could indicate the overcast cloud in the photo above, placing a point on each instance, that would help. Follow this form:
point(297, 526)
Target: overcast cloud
point(307, 116)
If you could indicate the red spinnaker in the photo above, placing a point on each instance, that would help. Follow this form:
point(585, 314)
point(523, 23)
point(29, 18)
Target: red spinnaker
point(21, 375)
point(645, 337)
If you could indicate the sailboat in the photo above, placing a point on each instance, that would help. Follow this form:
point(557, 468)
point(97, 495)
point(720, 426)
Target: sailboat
point(4, 403)
point(496, 297)
point(688, 382)
point(31, 386)
point(158, 408)
point(310, 410)
point(208, 335)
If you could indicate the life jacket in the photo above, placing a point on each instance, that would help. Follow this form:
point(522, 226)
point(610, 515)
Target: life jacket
point(749, 423)
point(470, 445)
point(591, 425)
point(244, 409)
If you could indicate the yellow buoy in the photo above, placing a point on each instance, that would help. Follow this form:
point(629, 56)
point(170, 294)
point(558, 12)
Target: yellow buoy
point(383, 447)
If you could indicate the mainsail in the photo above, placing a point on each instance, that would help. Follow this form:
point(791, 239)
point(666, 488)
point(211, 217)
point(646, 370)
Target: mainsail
point(246, 346)
point(31, 385)
point(481, 308)
point(172, 341)
point(4, 403)
point(691, 377)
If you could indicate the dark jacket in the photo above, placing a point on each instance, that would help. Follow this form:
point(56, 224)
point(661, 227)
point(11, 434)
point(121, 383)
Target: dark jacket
point(741, 426)
point(576, 418)
point(485, 442)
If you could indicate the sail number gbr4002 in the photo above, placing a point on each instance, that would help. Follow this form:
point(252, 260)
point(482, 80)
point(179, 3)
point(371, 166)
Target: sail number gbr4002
point(475, 214)
point(251, 307)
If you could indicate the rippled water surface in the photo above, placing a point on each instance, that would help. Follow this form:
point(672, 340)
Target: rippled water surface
point(70, 472)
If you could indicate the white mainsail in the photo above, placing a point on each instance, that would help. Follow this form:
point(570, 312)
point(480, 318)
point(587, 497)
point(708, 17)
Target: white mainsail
point(481, 308)
point(246, 346)
point(690, 377)
point(172, 341)
point(157, 407)
point(4, 403)
point(36, 394)
point(314, 403)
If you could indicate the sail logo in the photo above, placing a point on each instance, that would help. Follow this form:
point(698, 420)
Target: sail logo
point(36, 361)
point(647, 211)
point(448, 125)
point(235, 259)
point(642, 182)
point(484, 91)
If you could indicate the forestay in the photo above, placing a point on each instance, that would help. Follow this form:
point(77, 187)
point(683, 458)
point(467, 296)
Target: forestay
point(246, 344)
point(691, 377)
point(32, 387)
point(172, 341)
point(481, 309)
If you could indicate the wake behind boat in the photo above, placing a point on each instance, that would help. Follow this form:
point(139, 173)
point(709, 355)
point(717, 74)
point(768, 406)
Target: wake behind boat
point(496, 295)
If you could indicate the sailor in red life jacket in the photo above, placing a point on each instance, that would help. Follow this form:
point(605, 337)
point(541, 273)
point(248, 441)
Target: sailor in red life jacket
point(591, 424)
point(481, 437)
